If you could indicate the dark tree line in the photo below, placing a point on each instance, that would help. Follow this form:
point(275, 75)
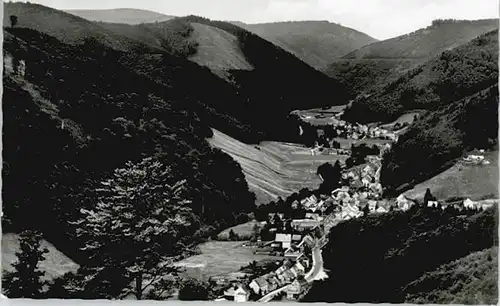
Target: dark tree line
point(384, 253)
point(359, 154)
point(97, 115)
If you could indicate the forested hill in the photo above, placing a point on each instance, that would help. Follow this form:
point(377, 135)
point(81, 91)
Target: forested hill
point(245, 85)
point(76, 116)
point(122, 15)
point(272, 80)
point(374, 258)
point(317, 43)
point(459, 90)
point(435, 141)
point(373, 66)
point(452, 75)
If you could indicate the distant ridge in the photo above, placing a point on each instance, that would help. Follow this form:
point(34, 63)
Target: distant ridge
point(371, 67)
point(121, 15)
point(317, 43)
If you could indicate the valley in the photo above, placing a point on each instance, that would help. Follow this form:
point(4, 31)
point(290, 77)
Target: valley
point(177, 157)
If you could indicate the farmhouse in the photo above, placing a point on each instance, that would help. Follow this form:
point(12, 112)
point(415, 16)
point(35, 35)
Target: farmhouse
point(293, 290)
point(432, 204)
point(403, 203)
point(296, 238)
point(313, 216)
point(259, 285)
point(292, 254)
point(237, 294)
point(285, 240)
point(302, 224)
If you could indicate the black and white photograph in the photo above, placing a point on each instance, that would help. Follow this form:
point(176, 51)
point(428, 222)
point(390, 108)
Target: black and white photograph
point(259, 151)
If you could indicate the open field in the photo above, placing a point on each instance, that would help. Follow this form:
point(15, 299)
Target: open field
point(220, 258)
point(318, 116)
point(243, 231)
point(462, 181)
point(346, 143)
point(55, 264)
point(405, 118)
point(217, 49)
point(274, 169)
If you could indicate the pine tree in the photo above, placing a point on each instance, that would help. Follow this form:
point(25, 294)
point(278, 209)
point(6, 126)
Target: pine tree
point(233, 236)
point(136, 227)
point(366, 210)
point(427, 197)
point(25, 281)
point(255, 232)
point(13, 20)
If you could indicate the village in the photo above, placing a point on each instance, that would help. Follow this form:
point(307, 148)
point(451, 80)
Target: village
point(295, 238)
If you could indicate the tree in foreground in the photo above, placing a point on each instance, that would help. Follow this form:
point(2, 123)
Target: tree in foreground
point(25, 281)
point(193, 290)
point(135, 229)
point(428, 197)
point(13, 20)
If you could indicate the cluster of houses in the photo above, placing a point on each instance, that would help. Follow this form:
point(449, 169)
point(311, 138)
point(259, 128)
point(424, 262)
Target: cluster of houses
point(361, 193)
point(476, 159)
point(287, 274)
point(360, 131)
point(366, 177)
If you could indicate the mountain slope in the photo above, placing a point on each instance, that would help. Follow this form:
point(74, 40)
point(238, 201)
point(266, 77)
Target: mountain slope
point(270, 81)
point(448, 77)
point(372, 66)
point(317, 43)
point(372, 259)
point(257, 101)
point(269, 175)
point(66, 27)
point(286, 81)
point(470, 280)
point(217, 49)
point(433, 142)
point(77, 115)
point(121, 15)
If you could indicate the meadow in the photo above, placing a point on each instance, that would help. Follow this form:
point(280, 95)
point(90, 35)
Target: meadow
point(274, 169)
point(220, 258)
point(471, 181)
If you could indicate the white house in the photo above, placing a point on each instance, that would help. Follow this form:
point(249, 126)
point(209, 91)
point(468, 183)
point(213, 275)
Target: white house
point(237, 294)
point(432, 204)
point(403, 203)
point(259, 285)
point(304, 223)
point(468, 203)
point(284, 239)
point(312, 216)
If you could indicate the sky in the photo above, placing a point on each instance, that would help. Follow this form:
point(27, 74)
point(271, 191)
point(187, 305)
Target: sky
point(380, 19)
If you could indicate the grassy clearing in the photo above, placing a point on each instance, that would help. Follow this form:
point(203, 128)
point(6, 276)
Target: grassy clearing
point(217, 49)
point(469, 280)
point(274, 169)
point(244, 231)
point(346, 143)
point(220, 258)
point(462, 181)
point(405, 118)
point(55, 264)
